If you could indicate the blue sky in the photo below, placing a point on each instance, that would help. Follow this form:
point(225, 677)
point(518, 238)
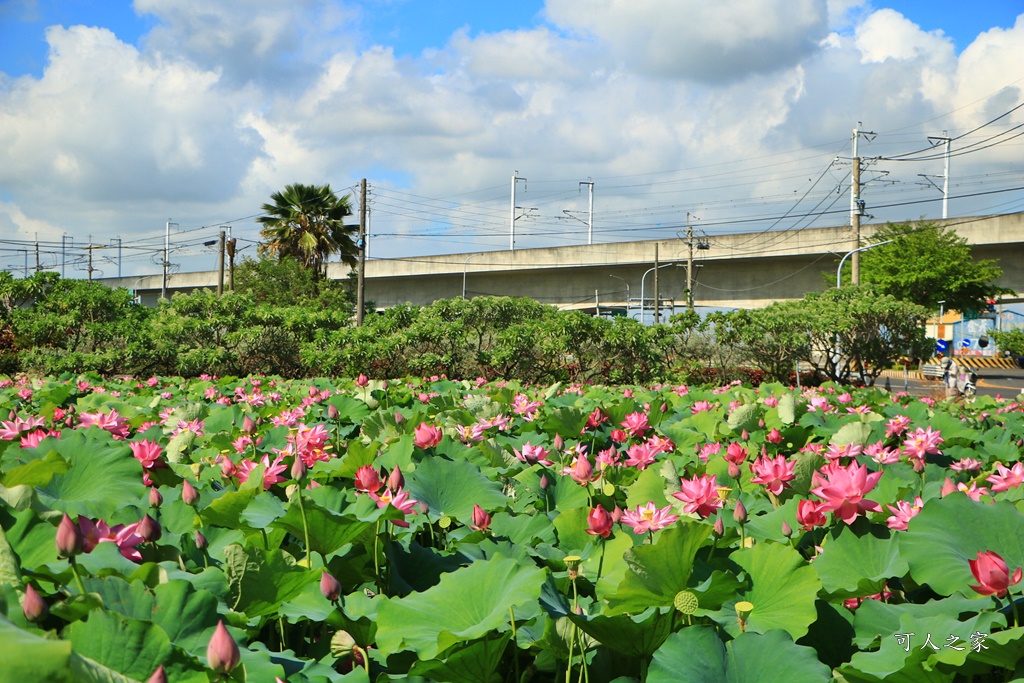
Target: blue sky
point(736, 113)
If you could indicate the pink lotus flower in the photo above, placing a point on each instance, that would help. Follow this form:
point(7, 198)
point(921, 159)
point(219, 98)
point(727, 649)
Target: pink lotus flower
point(902, 513)
point(966, 465)
point(842, 490)
point(595, 418)
point(993, 574)
point(709, 449)
point(923, 442)
point(111, 422)
point(368, 480)
point(599, 522)
point(701, 407)
point(148, 453)
point(896, 425)
point(580, 470)
point(635, 424)
point(533, 455)
point(399, 500)
point(648, 518)
point(774, 436)
point(809, 515)
point(700, 494)
point(13, 429)
point(882, 454)
point(1008, 478)
point(97, 531)
point(773, 473)
point(362, 380)
point(640, 456)
point(271, 470)
point(427, 436)
point(33, 439)
point(834, 452)
point(974, 492)
point(735, 453)
point(522, 405)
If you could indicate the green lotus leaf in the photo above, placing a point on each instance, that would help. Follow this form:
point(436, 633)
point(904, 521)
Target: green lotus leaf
point(226, 510)
point(698, 654)
point(102, 475)
point(465, 605)
point(31, 539)
point(906, 655)
point(328, 531)
point(858, 562)
point(452, 488)
point(950, 531)
point(134, 600)
point(852, 433)
point(36, 472)
point(657, 572)
point(187, 615)
point(784, 591)
point(875, 619)
point(132, 647)
point(259, 581)
point(744, 417)
point(474, 662)
point(27, 657)
point(10, 574)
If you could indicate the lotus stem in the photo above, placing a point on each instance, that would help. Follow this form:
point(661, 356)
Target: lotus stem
point(376, 555)
point(74, 570)
point(366, 659)
point(515, 644)
point(305, 528)
point(1013, 605)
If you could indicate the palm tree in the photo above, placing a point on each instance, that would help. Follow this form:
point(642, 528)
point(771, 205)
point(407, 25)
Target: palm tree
point(306, 222)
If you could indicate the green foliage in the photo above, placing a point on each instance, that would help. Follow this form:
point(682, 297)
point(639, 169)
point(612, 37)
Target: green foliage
point(926, 264)
point(1011, 341)
point(286, 282)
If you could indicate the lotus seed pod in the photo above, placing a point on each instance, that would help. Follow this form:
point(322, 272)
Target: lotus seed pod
point(686, 602)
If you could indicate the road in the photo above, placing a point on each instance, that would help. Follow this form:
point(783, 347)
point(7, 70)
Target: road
point(991, 382)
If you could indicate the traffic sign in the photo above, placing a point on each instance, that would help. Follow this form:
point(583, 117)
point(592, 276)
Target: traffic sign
point(941, 345)
point(966, 343)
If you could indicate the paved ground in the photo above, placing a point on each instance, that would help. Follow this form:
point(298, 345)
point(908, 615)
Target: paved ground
point(991, 381)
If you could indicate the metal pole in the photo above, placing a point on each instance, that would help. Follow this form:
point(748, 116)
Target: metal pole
point(945, 183)
point(590, 211)
point(512, 213)
point(689, 263)
point(854, 253)
point(627, 290)
point(361, 272)
point(220, 264)
point(118, 256)
point(38, 268)
point(464, 267)
point(657, 313)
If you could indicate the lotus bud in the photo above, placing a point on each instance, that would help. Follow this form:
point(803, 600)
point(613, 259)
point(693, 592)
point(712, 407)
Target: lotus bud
point(719, 527)
point(664, 407)
point(342, 644)
point(362, 380)
point(616, 515)
point(559, 442)
point(332, 412)
point(33, 606)
point(313, 391)
point(201, 541)
point(156, 499)
point(760, 423)
point(249, 425)
point(69, 538)
point(734, 470)
point(330, 587)
point(189, 495)
point(299, 469)
point(149, 529)
point(399, 418)
point(222, 653)
point(948, 487)
point(159, 676)
point(481, 520)
point(787, 530)
point(744, 435)
point(396, 480)
point(739, 513)
point(544, 482)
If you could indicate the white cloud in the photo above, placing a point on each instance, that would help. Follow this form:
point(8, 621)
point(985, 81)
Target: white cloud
point(698, 40)
point(887, 34)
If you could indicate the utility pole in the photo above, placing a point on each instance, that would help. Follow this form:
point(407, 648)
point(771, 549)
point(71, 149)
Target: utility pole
point(38, 267)
point(90, 248)
point(689, 263)
point(118, 239)
point(361, 271)
point(231, 263)
point(936, 140)
point(63, 252)
point(856, 205)
point(512, 213)
point(590, 210)
point(220, 264)
point(657, 312)
point(167, 254)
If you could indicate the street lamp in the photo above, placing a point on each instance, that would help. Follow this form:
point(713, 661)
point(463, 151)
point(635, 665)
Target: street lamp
point(627, 289)
point(643, 281)
point(839, 270)
point(464, 267)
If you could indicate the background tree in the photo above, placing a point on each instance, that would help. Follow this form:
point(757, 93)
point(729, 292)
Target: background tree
point(926, 264)
point(285, 282)
point(306, 223)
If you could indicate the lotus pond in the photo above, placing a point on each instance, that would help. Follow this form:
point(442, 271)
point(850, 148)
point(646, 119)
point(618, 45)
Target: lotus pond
point(433, 530)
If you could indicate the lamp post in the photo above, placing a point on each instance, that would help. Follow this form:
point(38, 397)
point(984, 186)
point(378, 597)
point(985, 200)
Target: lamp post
point(839, 270)
point(643, 280)
point(465, 266)
point(627, 289)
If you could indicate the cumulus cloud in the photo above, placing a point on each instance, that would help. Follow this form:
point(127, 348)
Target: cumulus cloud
point(703, 41)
